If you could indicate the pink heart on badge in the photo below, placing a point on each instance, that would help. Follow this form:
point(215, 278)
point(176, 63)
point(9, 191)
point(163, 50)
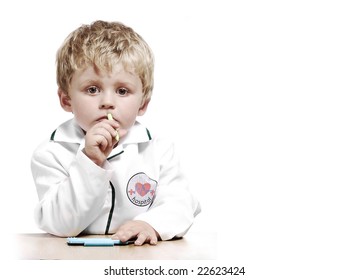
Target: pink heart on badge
point(142, 189)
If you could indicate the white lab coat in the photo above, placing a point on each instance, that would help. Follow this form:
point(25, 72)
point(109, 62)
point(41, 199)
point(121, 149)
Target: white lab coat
point(141, 180)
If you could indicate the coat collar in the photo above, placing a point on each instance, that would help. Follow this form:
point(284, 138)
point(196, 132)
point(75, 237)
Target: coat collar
point(70, 132)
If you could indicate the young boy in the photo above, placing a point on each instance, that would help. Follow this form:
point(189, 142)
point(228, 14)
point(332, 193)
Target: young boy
point(102, 172)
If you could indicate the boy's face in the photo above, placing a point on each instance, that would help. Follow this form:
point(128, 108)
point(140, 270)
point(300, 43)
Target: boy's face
point(93, 94)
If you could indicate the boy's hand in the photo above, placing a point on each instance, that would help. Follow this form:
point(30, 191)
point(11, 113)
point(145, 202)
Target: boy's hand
point(137, 229)
point(100, 140)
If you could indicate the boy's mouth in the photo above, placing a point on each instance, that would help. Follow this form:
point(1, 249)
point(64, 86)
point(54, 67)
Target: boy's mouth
point(101, 119)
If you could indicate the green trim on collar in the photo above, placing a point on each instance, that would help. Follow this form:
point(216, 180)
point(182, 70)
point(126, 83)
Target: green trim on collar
point(148, 132)
point(115, 155)
point(52, 138)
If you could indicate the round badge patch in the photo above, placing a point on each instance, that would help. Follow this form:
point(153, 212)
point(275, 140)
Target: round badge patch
point(141, 189)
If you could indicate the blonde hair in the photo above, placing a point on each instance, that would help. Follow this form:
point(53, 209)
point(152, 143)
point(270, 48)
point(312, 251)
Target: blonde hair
point(102, 44)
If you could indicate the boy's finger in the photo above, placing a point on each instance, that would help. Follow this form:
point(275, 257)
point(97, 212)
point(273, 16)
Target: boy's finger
point(123, 235)
point(153, 240)
point(141, 238)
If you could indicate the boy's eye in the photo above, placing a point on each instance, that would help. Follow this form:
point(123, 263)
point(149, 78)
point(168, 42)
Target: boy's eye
point(92, 90)
point(122, 91)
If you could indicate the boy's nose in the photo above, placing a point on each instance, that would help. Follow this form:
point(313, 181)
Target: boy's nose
point(107, 101)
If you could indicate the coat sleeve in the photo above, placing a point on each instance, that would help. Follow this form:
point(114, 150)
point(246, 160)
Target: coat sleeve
point(174, 207)
point(71, 192)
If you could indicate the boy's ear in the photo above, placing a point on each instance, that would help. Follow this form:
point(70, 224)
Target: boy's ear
point(143, 107)
point(64, 99)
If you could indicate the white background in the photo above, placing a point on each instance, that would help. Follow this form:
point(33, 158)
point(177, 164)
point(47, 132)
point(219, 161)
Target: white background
point(255, 96)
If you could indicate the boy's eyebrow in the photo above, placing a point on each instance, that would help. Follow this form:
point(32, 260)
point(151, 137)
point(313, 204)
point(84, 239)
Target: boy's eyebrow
point(90, 81)
point(126, 83)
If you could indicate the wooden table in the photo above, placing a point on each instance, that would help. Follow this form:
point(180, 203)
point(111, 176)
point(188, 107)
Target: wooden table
point(194, 246)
